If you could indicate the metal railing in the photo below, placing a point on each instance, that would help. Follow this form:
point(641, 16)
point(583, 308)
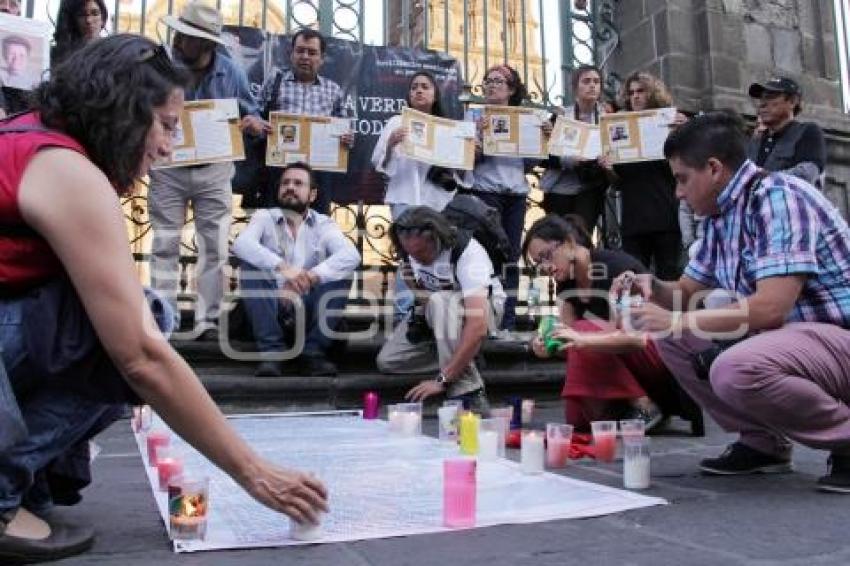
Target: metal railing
point(475, 32)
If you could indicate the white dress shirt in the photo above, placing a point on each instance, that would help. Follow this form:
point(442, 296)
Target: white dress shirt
point(319, 246)
point(407, 179)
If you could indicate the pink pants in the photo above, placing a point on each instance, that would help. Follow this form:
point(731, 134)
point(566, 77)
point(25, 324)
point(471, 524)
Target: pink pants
point(792, 383)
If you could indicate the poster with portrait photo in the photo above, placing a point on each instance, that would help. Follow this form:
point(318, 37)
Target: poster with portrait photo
point(288, 136)
point(24, 52)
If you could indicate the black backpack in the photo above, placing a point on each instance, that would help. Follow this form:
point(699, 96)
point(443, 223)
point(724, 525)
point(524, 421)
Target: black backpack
point(484, 223)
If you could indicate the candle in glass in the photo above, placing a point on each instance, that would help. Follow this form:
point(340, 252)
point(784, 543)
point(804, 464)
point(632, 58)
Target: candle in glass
point(531, 452)
point(155, 439)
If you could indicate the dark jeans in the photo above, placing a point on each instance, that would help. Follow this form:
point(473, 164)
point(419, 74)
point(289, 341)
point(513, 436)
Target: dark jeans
point(56, 419)
point(273, 325)
point(661, 249)
point(586, 204)
point(512, 208)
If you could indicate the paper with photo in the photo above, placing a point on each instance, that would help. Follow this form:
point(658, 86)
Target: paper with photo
point(513, 131)
point(314, 140)
point(27, 43)
point(574, 138)
point(438, 141)
point(208, 132)
point(636, 136)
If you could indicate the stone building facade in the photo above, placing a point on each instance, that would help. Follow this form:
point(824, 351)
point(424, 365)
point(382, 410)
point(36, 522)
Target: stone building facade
point(709, 51)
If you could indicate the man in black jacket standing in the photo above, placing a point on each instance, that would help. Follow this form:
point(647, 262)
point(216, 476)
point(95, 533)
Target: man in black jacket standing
point(786, 144)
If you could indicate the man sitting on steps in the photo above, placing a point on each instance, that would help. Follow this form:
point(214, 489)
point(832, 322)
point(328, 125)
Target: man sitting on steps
point(294, 258)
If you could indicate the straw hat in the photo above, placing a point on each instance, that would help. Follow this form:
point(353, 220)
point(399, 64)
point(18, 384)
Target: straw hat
point(198, 20)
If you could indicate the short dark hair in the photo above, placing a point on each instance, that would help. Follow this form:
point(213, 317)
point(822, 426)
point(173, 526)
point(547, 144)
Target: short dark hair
point(311, 177)
point(429, 222)
point(103, 96)
point(308, 34)
point(718, 134)
point(437, 107)
point(555, 228)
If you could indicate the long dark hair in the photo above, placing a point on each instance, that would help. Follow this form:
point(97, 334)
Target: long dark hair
point(67, 37)
point(569, 228)
point(437, 107)
point(429, 223)
point(103, 96)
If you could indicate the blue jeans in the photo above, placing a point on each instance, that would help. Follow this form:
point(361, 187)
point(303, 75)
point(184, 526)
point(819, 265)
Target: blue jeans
point(512, 208)
point(54, 418)
point(266, 313)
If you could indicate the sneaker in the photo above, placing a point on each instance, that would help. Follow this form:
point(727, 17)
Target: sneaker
point(651, 416)
point(838, 478)
point(740, 459)
point(269, 369)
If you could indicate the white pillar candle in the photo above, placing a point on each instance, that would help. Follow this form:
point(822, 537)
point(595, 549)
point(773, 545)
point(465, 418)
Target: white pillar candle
point(636, 472)
point(532, 452)
point(394, 417)
point(527, 411)
point(410, 424)
point(488, 445)
point(305, 531)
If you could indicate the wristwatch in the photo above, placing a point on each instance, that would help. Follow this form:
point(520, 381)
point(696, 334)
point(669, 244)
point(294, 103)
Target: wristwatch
point(441, 378)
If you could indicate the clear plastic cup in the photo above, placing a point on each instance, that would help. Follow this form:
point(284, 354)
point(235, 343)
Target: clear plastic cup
point(188, 505)
point(447, 419)
point(632, 429)
point(558, 439)
point(604, 440)
point(459, 487)
point(405, 419)
point(154, 440)
point(636, 464)
point(527, 411)
point(169, 465)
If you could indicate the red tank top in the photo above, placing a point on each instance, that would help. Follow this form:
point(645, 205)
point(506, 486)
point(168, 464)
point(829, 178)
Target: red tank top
point(26, 260)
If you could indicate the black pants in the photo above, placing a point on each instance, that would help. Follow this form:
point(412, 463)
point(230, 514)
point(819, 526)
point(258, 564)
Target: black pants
point(587, 205)
point(663, 249)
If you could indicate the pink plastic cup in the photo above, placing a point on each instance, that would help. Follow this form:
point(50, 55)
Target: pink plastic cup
point(604, 440)
point(155, 439)
point(459, 486)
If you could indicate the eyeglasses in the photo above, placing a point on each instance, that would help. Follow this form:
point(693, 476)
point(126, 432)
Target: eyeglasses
point(495, 82)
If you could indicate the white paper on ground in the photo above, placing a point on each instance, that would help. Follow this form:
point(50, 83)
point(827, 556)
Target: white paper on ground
point(381, 485)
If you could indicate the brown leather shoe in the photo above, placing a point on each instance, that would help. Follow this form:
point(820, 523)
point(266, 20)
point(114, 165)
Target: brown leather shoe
point(64, 540)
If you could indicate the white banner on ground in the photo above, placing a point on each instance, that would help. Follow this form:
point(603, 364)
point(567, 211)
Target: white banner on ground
point(381, 485)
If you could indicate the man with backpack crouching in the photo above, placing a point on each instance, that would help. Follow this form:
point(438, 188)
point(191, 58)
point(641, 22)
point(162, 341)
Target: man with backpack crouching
point(457, 299)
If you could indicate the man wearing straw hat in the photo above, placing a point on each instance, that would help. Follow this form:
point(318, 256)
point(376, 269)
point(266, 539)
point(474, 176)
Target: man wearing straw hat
point(198, 45)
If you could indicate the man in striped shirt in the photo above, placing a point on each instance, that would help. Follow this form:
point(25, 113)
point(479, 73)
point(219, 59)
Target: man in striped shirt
point(776, 243)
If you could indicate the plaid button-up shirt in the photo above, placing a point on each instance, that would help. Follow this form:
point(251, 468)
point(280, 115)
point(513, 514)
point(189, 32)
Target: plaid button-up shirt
point(783, 227)
point(322, 98)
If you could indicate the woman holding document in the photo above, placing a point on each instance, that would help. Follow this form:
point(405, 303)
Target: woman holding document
point(572, 185)
point(650, 220)
point(410, 182)
point(500, 181)
point(78, 338)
